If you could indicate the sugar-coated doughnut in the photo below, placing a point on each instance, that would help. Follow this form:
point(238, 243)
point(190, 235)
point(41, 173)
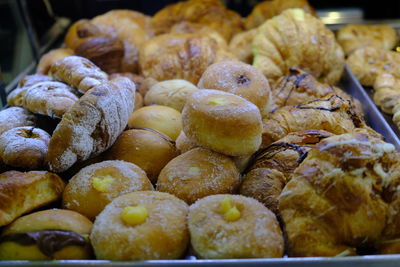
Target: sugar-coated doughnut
point(24, 147)
point(163, 119)
point(93, 187)
point(13, 117)
point(47, 235)
point(240, 79)
point(148, 149)
point(222, 122)
point(183, 144)
point(234, 226)
point(171, 93)
point(142, 225)
point(199, 173)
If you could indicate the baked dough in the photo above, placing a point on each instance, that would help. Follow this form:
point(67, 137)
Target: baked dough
point(13, 117)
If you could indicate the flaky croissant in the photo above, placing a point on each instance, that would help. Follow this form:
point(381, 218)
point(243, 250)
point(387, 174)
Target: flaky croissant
point(211, 13)
point(333, 114)
point(368, 62)
point(352, 37)
point(270, 8)
point(297, 39)
point(334, 203)
point(241, 45)
point(272, 167)
point(180, 56)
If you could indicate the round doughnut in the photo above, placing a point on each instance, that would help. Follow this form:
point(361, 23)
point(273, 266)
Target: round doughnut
point(240, 79)
point(183, 144)
point(143, 225)
point(199, 173)
point(24, 147)
point(149, 150)
point(138, 101)
point(171, 93)
point(163, 119)
point(222, 122)
point(93, 187)
point(234, 226)
point(15, 117)
point(47, 235)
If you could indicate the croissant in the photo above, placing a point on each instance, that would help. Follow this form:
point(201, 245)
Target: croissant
point(333, 114)
point(270, 8)
point(297, 39)
point(211, 13)
point(241, 45)
point(334, 204)
point(50, 57)
point(272, 167)
point(180, 56)
point(352, 37)
point(368, 62)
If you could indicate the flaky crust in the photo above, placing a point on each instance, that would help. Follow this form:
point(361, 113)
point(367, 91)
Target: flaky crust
point(241, 45)
point(180, 56)
point(50, 98)
point(297, 39)
point(211, 13)
point(256, 234)
point(92, 124)
point(352, 37)
point(369, 62)
point(50, 57)
point(21, 192)
point(78, 72)
point(333, 114)
point(13, 117)
point(334, 192)
point(268, 9)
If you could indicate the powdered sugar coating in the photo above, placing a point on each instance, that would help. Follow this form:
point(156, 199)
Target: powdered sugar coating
point(163, 235)
point(256, 234)
point(78, 72)
point(24, 147)
point(81, 196)
point(15, 117)
point(92, 124)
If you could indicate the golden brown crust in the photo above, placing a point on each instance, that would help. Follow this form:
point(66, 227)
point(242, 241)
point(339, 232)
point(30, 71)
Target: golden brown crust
point(24, 147)
point(21, 192)
point(16, 97)
point(163, 235)
point(78, 72)
point(334, 192)
point(268, 9)
point(211, 119)
point(82, 196)
point(211, 13)
point(50, 98)
point(199, 173)
point(351, 37)
point(92, 124)
point(367, 63)
point(333, 114)
point(15, 117)
point(240, 79)
point(297, 39)
point(180, 56)
point(241, 45)
point(79, 31)
point(142, 85)
point(183, 143)
point(50, 57)
point(148, 149)
point(256, 234)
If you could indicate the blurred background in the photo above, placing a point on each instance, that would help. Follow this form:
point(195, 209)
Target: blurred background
point(29, 28)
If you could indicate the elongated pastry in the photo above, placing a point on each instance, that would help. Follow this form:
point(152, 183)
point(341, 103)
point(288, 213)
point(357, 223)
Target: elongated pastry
point(367, 63)
point(272, 167)
point(92, 124)
point(78, 72)
point(268, 9)
point(352, 37)
point(21, 192)
point(50, 57)
point(335, 191)
point(333, 114)
point(241, 45)
point(297, 39)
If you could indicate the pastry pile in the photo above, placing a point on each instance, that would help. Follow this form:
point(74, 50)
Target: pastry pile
point(149, 136)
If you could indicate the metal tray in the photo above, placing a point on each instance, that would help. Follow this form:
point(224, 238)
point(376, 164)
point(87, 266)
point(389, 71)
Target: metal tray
point(375, 120)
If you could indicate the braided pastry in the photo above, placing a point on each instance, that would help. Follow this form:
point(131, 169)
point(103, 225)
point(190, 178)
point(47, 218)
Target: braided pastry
point(297, 39)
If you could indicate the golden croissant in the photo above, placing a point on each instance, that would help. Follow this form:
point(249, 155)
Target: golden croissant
point(297, 39)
